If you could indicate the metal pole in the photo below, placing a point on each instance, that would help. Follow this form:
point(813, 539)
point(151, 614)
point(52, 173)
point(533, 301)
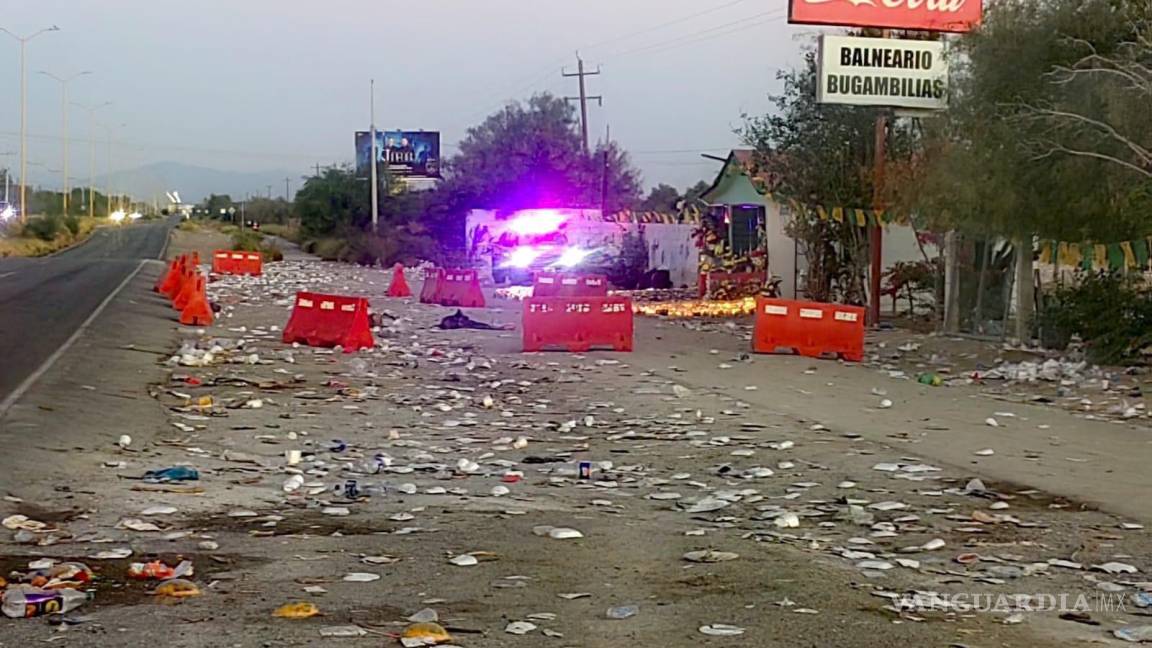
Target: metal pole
point(876, 238)
point(92, 163)
point(23, 134)
point(583, 105)
point(108, 184)
point(24, 114)
point(372, 135)
point(64, 138)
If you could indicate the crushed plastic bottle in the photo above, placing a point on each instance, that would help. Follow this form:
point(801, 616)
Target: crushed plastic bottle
point(174, 473)
point(25, 601)
point(157, 570)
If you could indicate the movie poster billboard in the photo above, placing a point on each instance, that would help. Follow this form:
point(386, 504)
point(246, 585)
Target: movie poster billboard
point(403, 153)
point(882, 72)
point(926, 15)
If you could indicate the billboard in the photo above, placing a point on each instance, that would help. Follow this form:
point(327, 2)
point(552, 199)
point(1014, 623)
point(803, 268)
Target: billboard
point(882, 72)
point(927, 15)
point(403, 153)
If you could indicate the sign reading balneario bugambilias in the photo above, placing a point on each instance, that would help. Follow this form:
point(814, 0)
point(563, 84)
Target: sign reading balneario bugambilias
point(882, 72)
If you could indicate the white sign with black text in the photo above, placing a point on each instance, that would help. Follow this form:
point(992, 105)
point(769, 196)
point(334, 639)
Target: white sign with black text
point(882, 72)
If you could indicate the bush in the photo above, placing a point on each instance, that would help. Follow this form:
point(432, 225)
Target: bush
point(286, 232)
point(74, 225)
point(329, 249)
point(272, 252)
point(1111, 312)
point(248, 240)
point(45, 228)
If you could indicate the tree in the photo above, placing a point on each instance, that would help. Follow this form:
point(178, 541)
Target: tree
point(992, 166)
point(268, 210)
point(692, 194)
point(610, 182)
point(1102, 108)
point(218, 206)
point(662, 198)
point(332, 202)
point(822, 155)
point(530, 155)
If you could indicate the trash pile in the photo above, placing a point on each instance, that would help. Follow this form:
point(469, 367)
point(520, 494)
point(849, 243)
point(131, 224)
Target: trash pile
point(435, 466)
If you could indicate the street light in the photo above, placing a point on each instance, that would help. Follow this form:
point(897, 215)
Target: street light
point(64, 123)
point(23, 40)
point(109, 128)
point(92, 152)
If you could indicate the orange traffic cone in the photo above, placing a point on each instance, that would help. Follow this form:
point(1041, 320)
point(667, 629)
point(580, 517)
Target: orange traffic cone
point(399, 287)
point(197, 312)
point(172, 282)
point(159, 287)
point(186, 292)
point(195, 260)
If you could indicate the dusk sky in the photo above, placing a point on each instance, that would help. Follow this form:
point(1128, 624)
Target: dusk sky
point(267, 84)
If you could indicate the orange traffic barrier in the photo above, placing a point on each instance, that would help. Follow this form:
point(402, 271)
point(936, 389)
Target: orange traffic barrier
point(811, 329)
point(221, 262)
point(460, 288)
point(399, 286)
point(174, 281)
point(577, 324)
point(559, 284)
point(173, 267)
point(197, 312)
point(431, 288)
point(329, 320)
point(237, 262)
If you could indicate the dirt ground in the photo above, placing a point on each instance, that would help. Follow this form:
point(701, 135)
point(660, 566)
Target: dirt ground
point(837, 504)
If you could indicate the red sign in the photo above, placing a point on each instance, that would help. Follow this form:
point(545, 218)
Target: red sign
point(927, 15)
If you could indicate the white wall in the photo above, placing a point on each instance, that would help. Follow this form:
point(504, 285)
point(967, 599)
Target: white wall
point(899, 245)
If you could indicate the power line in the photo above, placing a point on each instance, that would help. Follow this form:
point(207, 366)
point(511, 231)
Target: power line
point(543, 73)
point(670, 23)
point(687, 39)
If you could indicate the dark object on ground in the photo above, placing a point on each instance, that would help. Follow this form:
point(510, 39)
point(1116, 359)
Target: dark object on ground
point(459, 320)
point(377, 319)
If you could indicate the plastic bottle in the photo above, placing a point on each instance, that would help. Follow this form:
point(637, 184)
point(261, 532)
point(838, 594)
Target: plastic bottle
point(24, 601)
point(175, 473)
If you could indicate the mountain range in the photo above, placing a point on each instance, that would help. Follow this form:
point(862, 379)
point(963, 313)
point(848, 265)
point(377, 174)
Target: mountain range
point(196, 183)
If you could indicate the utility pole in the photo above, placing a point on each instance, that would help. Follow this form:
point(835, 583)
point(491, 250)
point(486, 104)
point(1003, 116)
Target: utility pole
point(64, 81)
point(287, 189)
point(876, 230)
point(111, 127)
point(374, 155)
point(92, 152)
point(604, 171)
point(23, 40)
point(269, 192)
point(583, 98)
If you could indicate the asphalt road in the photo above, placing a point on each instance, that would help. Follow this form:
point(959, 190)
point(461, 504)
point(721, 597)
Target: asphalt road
point(44, 301)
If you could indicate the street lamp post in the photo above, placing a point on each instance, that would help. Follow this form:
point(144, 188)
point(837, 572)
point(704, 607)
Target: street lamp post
point(92, 152)
point(64, 124)
point(23, 40)
point(111, 127)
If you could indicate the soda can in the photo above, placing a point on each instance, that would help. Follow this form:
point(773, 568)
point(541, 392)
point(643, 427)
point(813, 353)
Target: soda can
point(351, 489)
point(585, 470)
